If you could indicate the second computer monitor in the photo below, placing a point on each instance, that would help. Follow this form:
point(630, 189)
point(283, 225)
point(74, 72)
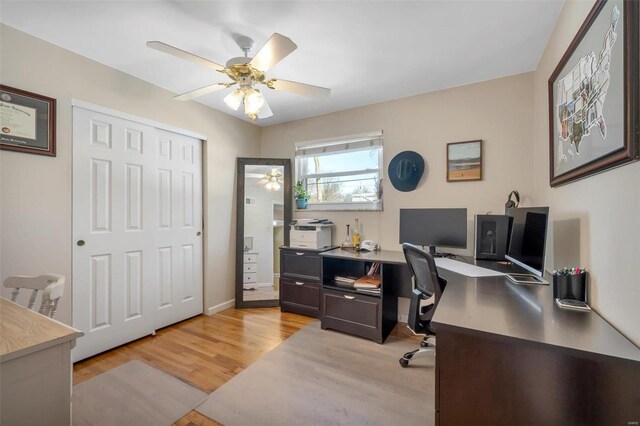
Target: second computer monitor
point(434, 227)
point(528, 238)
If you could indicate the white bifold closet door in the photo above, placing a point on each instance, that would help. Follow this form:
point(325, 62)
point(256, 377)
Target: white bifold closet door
point(137, 224)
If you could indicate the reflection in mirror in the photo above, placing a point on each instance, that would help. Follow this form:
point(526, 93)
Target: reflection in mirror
point(263, 231)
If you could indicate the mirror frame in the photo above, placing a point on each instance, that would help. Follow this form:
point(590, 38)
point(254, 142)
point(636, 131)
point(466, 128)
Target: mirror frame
point(240, 199)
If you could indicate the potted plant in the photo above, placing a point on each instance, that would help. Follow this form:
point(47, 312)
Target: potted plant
point(300, 194)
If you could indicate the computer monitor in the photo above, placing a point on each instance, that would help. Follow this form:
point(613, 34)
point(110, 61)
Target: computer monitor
point(527, 245)
point(434, 228)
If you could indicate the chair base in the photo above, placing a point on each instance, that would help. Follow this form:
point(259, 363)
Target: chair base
point(425, 347)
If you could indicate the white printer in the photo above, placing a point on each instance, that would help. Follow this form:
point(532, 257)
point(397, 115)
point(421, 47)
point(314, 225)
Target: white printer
point(310, 233)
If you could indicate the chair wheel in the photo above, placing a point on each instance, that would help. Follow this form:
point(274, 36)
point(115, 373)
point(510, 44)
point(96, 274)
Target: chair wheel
point(404, 362)
point(408, 356)
point(424, 344)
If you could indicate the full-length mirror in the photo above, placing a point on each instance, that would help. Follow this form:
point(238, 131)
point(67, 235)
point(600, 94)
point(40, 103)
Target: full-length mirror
point(264, 213)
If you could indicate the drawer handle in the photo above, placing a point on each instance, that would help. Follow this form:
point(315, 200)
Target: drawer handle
point(346, 296)
point(299, 283)
point(299, 254)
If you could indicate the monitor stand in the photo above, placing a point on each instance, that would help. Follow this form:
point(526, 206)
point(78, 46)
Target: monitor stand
point(432, 252)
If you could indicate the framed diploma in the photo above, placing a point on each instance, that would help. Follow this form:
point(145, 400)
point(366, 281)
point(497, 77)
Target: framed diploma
point(27, 122)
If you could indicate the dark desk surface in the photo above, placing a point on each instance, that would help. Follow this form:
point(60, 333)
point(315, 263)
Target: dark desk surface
point(528, 312)
point(382, 256)
point(496, 305)
point(312, 250)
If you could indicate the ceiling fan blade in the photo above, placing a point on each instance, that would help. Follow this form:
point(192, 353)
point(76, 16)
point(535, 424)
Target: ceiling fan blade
point(276, 49)
point(200, 92)
point(265, 111)
point(300, 88)
point(163, 47)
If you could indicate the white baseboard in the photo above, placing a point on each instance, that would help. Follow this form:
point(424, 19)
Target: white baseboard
point(221, 307)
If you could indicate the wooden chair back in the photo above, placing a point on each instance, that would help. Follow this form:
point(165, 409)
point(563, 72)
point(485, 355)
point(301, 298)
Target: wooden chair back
point(50, 285)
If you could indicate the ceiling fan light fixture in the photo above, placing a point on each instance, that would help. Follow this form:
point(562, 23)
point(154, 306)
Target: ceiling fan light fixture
point(234, 99)
point(273, 185)
point(253, 101)
point(274, 179)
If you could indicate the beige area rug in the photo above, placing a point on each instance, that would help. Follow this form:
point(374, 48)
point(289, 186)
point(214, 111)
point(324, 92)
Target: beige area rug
point(133, 394)
point(322, 377)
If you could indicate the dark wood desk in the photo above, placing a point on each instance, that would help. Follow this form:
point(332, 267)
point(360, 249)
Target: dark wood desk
point(506, 354)
point(351, 311)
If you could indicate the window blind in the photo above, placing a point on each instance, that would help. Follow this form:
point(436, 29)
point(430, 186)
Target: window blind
point(331, 146)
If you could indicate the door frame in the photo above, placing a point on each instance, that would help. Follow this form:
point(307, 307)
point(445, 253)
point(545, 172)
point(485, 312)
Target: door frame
point(78, 103)
point(288, 213)
point(140, 120)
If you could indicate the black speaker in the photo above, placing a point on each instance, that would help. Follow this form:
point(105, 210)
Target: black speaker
point(492, 236)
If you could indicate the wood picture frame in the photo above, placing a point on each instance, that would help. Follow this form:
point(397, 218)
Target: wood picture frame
point(464, 161)
point(27, 122)
point(593, 108)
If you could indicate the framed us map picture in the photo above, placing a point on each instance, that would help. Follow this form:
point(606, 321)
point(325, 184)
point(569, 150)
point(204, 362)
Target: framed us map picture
point(27, 122)
point(593, 95)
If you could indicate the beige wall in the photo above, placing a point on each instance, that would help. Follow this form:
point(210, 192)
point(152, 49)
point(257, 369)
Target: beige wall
point(498, 111)
point(36, 190)
point(595, 221)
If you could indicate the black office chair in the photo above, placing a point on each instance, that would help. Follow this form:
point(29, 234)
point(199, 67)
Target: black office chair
point(428, 283)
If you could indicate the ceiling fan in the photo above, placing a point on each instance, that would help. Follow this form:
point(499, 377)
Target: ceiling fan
point(247, 73)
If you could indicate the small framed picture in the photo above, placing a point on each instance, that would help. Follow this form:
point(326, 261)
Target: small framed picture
point(27, 122)
point(464, 161)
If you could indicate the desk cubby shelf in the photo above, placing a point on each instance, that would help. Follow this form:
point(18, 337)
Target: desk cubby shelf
point(347, 288)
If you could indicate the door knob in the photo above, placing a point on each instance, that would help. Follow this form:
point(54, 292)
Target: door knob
point(199, 233)
point(80, 243)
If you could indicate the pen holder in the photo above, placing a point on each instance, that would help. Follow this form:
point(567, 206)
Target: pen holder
point(570, 286)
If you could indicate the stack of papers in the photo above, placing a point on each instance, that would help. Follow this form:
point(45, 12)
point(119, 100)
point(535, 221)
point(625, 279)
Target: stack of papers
point(346, 280)
point(375, 292)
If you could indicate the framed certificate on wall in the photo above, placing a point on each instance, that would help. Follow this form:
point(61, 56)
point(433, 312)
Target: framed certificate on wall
point(27, 122)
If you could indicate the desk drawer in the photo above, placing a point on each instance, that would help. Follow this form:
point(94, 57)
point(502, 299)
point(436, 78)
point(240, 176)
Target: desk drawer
point(300, 264)
point(301, 297)
point(352, 313)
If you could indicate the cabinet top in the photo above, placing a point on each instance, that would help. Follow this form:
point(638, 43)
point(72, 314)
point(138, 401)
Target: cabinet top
point(23, 331)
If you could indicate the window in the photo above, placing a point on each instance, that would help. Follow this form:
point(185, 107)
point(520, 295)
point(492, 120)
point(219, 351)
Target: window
point(342, 174)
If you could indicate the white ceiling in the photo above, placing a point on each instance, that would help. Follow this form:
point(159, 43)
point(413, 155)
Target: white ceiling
point(364, 51)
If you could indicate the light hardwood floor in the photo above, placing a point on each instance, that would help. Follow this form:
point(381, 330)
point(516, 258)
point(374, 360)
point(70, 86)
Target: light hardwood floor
point(205, 351)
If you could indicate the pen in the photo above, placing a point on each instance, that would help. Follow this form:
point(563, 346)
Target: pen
point(574, 270)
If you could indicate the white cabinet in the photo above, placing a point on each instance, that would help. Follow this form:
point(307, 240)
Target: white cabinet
point(35, 361)
point(250, 269)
